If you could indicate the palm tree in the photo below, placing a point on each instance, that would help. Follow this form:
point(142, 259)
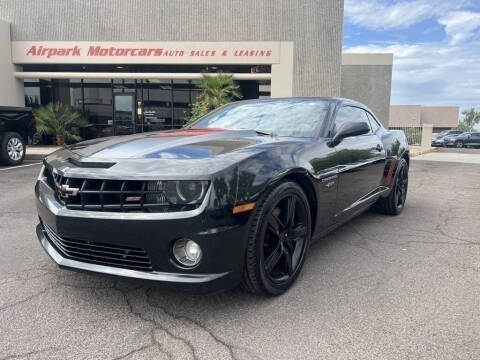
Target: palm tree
point(59, 120)
point(217, 90)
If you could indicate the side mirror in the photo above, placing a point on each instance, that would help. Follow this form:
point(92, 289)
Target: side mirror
point(348, 129)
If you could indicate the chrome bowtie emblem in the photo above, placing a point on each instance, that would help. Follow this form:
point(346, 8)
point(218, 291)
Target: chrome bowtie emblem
point(66, 191)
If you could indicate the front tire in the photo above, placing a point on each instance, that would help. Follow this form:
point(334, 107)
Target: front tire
point(278, 240)
point(12, 149)
point(459, 144)
point(394, 203)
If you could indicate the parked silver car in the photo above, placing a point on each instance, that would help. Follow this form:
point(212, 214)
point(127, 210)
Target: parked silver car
point(450, 140)
point(439, 140)
point(466, 139)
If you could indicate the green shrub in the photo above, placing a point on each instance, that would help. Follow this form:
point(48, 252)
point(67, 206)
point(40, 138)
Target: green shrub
point(61, 121)
point(216, 91)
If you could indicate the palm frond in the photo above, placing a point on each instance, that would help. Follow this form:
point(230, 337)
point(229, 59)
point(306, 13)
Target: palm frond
point(60, 120)
point(216, 90)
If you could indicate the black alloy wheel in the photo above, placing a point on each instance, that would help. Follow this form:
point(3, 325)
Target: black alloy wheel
point(459, 144)
point(278, 240)
point(284, 238)
point(401, 187)
point(394, 203)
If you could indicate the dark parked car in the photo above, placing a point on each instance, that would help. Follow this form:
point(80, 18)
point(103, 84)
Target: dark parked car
point(465, 139)
point(16, 125)
point(235, 198)
point(449, 140)
point(439, 140)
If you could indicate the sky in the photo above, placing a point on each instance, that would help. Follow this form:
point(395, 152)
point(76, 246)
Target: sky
point(436, 47)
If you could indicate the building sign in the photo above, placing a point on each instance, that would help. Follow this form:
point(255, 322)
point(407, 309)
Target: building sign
point(86, 52)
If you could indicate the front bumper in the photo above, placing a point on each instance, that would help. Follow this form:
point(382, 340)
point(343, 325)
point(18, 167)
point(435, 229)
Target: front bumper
point(223, 242)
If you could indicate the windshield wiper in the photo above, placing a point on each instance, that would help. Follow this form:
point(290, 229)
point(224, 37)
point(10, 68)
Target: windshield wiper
point(260, 132)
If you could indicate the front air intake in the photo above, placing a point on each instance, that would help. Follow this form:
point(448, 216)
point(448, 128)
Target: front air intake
point(100, 253)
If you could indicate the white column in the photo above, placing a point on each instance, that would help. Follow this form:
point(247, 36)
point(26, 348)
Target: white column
point(11, 89)
point(282, 73)
point(427, 130)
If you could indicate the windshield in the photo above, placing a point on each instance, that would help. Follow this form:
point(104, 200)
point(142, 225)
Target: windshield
point(292, 117)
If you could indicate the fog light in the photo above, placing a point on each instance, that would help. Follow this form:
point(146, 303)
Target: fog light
point(187, 252)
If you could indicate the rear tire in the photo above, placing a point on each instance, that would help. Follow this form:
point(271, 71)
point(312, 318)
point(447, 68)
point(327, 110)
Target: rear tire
point(394, 203)
point(278, 240)
point(12, 149)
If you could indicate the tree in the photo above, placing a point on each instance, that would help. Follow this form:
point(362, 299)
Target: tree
point(470, 119)
point(61, 121)
point(216, 90)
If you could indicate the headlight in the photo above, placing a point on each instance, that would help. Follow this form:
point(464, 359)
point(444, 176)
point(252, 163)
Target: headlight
point(41, 174)
point(179, 192)
point(46, 176)
point(186, 191)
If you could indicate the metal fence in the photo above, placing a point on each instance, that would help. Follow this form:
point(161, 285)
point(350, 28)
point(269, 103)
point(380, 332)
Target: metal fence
point(413, 133)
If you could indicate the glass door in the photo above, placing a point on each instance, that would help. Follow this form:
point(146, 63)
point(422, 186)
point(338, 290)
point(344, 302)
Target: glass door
point(124, 114)
point(157, 105)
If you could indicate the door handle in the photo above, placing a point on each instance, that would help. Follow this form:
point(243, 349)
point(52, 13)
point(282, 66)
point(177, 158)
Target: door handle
point(379, 147)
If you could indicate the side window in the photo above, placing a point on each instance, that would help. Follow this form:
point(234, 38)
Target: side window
point(373, 123)
point(346, 114)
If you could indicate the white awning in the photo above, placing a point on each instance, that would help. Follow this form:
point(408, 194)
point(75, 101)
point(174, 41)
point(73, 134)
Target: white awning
point(138, 76)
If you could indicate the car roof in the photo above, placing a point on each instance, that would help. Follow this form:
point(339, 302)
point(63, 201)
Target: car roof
point(336, 100)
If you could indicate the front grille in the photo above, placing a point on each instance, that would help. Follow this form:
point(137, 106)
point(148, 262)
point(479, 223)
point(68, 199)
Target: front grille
point(112, 195)
point(100, 253)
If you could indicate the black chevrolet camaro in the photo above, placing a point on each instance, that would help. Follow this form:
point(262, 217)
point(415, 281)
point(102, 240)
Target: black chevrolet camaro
point(235, 198)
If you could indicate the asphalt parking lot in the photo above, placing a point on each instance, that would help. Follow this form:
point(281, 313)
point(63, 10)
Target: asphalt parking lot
point(380, 287)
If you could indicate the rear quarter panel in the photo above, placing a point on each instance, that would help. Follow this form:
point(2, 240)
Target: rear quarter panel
point(396, 146)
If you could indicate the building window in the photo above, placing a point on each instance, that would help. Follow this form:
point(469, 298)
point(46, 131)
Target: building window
point(32, 92)
point(97, 107)
point(142, 105)
point(181, 101)
point(157, 105)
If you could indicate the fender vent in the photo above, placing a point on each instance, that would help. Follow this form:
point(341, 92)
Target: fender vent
point(91, 164)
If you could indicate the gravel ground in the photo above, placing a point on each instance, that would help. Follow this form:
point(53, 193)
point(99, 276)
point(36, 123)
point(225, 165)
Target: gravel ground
point(380, 287)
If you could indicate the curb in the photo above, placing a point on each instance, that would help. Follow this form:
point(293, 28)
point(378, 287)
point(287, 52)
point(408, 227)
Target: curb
point(39, 152)
point(35, 156)
point(421, 152)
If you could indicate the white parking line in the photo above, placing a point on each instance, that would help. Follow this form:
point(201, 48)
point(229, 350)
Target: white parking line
point(19, 166)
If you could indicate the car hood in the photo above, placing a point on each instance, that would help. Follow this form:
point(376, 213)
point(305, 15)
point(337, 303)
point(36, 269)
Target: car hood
point(170, 144)
point(191, 152)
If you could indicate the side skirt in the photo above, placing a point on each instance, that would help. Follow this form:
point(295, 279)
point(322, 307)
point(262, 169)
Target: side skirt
point(352, 211)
